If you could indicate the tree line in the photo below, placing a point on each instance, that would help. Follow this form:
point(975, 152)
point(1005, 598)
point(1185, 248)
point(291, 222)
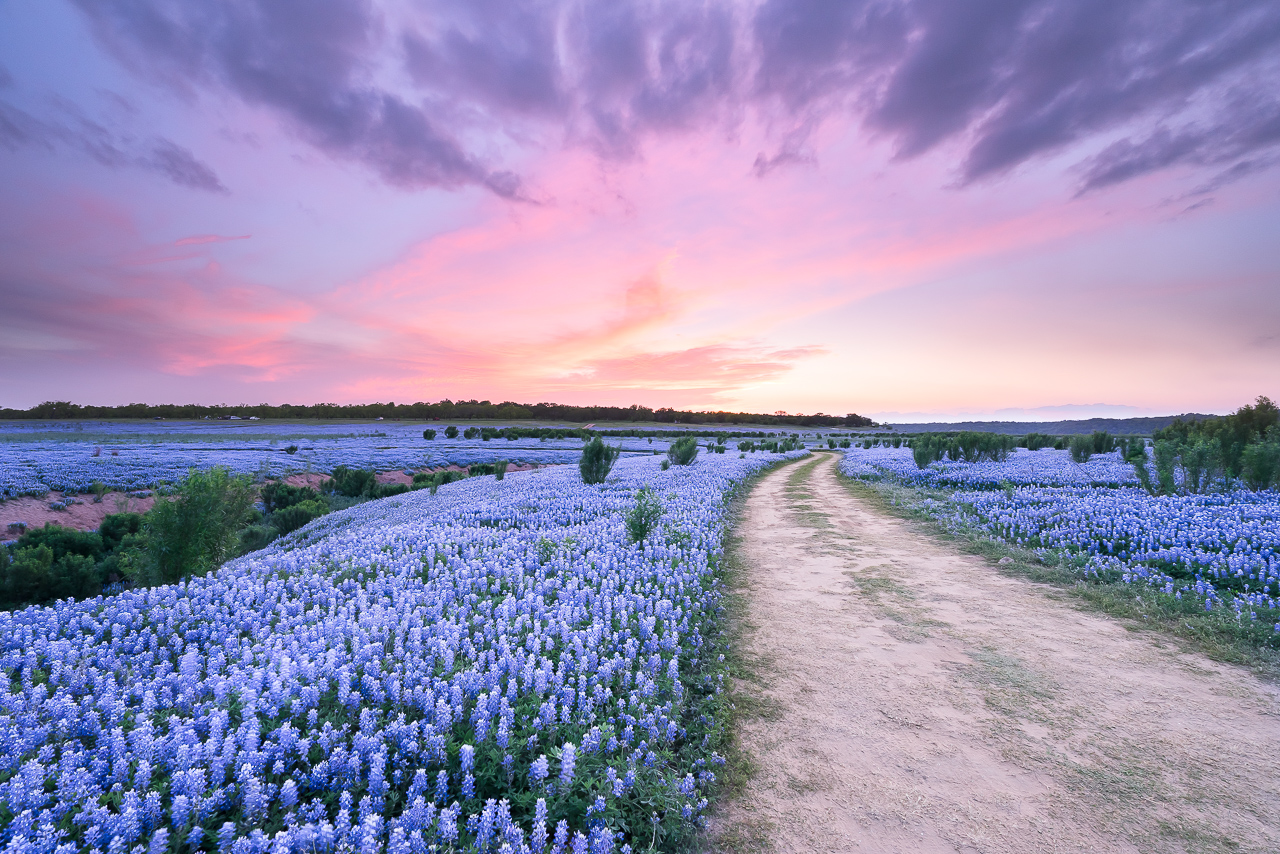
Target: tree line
point(442, 410)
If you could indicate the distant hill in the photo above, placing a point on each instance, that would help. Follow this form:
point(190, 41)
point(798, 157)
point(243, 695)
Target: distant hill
point(1115, 426)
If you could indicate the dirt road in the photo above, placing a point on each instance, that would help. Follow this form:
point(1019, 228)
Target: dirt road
point(915, 700)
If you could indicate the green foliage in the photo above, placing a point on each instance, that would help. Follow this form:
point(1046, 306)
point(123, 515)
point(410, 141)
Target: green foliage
point(1234, 433)
point(353, 483)
point(279, 495)
point(1133, 449)
point(198, 530)
point(683, 451)
point(428, 434)
point(1103, 442)
point(34, 576)
point(598, 459)
point(1260, 463)
point(451, 432)
point(63, 541)
point(294, 516)
point(255, 537)
point(1081, 448)
point(116, 527)
point(1036, 441)
point(291, 450)
point(642, 519)
point(471, 432)
point(666, 464)
point(500, 469)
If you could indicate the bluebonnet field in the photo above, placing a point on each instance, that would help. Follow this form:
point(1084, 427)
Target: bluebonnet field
point(493, 668)
point(37, 457)
point(1220, 551)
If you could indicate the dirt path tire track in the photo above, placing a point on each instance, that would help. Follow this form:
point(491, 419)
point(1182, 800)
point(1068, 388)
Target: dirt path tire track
point(916, 700)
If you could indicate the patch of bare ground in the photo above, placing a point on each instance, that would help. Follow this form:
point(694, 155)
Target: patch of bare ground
point(913, 699)
point(84, 515)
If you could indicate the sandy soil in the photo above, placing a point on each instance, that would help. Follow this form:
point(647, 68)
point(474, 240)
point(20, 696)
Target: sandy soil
point(85, 516)
point(910, 699)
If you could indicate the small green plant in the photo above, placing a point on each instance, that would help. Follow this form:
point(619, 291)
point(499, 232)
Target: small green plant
point(642, 518)
point(1081, 448)
point(500, 469)
point(666, 464)
point(683, 451)
point(451, 432)
point(597, 460)
point(291, 450)
point(428, 434)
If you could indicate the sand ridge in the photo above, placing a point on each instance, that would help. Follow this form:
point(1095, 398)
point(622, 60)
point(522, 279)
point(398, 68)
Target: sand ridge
point(916, 700)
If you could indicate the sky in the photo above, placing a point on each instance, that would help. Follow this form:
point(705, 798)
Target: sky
point(908, 209)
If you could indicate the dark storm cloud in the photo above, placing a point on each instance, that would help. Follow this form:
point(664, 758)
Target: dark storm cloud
point(999, 82)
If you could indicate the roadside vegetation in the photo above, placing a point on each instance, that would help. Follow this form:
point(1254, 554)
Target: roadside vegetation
point(202, 522)
point(1181, 533)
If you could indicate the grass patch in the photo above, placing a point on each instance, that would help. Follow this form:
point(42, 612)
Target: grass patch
point(1140, 608)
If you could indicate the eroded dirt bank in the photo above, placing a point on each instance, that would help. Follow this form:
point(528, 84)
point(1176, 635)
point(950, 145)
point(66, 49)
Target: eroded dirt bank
point(915, 700)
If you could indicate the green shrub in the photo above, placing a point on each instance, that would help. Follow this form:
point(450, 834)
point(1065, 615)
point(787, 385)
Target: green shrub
point(597, 460)
point(1201, 463)
point(118, 526)
point(1081, 448)
point(683, 451)
point(500, 469)
point(256, 537)
point(1133, 449)
point(294, 516)
point(1260, 464)
point(279, 495)
point(1037, 441)
point(352, 483)
point(1165, 453)
point(471, 432)
point(386, 490)
point(428, 434)
point(198, 530)
point(479, 469)
point(291, 450)
point(451, 432)
point(642, 518)
point(1103, 442)
point(63, 541)
point(666, 464)
point(34, 576)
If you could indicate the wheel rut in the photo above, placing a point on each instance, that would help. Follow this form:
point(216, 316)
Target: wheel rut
point(916, 700)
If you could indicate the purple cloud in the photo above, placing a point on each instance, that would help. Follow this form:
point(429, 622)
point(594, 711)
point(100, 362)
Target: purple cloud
point(1004, 81)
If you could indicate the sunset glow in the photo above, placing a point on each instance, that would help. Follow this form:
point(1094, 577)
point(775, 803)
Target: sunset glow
point(879, 208)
